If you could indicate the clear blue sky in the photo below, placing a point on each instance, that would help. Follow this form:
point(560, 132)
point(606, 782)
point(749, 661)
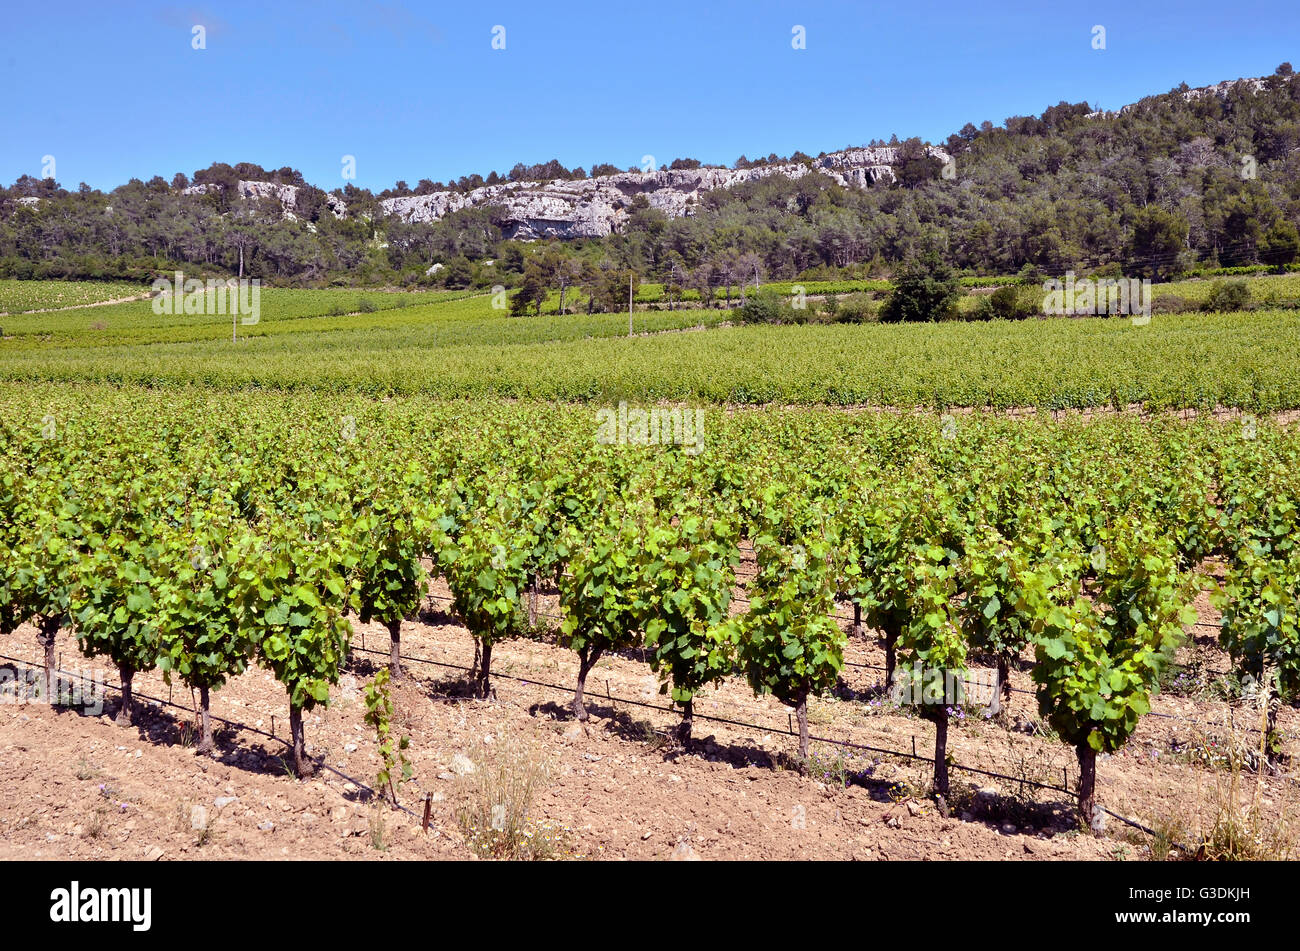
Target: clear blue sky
point(415, 90)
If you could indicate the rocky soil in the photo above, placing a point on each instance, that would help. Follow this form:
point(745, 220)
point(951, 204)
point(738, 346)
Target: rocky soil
point(78, 786)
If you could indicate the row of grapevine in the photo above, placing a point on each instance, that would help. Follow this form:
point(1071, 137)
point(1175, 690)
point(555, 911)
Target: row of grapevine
point(466, 350)
point(199, 537)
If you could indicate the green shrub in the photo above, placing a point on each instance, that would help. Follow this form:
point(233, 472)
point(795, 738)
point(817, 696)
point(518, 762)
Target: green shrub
point(857, 309)
point(1173, 304)
point(1226, 296)
point(925, 290)
point(1009, 303)
point(764, 307)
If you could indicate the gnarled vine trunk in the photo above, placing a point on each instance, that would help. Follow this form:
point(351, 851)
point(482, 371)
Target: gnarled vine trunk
point(586, 660)
point(1002, 689)
point(206, 743)
point(124, 712)
point(801, 717)
point(941, 751)
point(891, 657)
point(483, 686)
point(688, 717)
point(1272, 739)
point(302, 766)
point(1087, 783)
point(46, 630)
point(395, 648)
point(857, 620)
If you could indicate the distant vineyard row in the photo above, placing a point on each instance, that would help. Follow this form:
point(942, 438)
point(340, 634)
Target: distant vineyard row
point(1194, 360)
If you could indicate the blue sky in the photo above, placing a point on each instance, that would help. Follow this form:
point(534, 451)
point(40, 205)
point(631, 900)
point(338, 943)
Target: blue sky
point(415, 90)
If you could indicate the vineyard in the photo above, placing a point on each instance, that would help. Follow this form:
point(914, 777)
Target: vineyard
point(17, 297)
point(465, 349)
point(198, 536)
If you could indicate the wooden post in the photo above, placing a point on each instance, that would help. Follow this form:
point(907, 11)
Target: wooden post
point(428, 807)
point(629, 303)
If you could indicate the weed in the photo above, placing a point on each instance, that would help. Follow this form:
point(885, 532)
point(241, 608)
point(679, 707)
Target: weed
point(394, 768)
point(1170, 834)
point(377, 828)
point(819, 713)
point(97, 824)
point(645, 732)
point(497, 797)
point(841, 768)
point(1237, 828)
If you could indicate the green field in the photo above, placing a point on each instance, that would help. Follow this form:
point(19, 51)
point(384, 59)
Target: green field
point(17, 297)
point(455, 344)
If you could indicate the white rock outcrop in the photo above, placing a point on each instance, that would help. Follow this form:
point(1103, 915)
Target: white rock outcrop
point(594, 207)
point(287, 195)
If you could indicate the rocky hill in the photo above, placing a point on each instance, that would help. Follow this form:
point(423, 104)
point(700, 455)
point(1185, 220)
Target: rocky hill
point(598, 206)
point(287, 195)
point(595, 207)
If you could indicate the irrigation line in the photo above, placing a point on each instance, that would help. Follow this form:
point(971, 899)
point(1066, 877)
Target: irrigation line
point(740, 723)
point(1031, 693)
point(1019, 690)
point(235, 724)
point(789, 732)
